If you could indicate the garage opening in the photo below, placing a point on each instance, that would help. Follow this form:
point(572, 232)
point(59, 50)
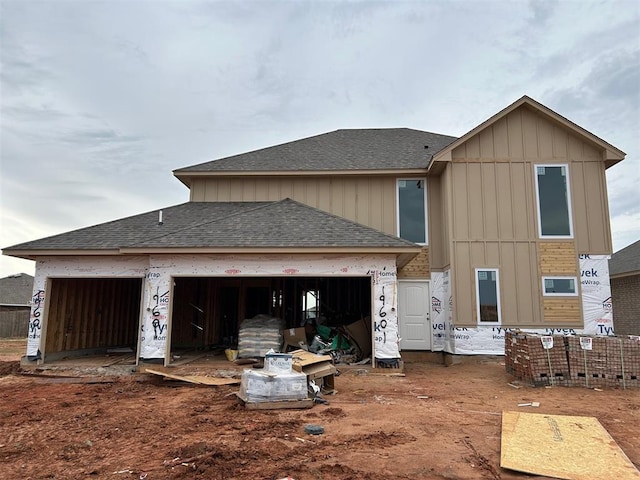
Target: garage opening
point(93, 316)
point(208, 312)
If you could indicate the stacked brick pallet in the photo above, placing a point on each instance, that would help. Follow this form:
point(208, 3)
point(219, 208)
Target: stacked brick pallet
point(588, 367)
point(623, 355)
point(528, 360)
point(589, 361)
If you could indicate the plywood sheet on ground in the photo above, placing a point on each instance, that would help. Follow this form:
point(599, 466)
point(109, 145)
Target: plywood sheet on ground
point(562, 446)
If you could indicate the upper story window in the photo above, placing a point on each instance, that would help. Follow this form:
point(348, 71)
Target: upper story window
point(412, 218)
point(554, 205)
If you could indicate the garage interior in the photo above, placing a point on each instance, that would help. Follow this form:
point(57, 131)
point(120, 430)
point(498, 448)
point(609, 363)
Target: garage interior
point(97, 320)
point(207, 311)
point(89, 316)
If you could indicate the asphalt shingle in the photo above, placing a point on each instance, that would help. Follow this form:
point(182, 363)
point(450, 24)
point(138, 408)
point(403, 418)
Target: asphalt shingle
point(279, 224)
point(130, 230)
point(357, 149)
point(16, 289)
point(626, 260)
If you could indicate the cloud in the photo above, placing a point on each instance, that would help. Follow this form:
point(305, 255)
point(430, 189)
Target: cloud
point(542, 11)
point(102, 100)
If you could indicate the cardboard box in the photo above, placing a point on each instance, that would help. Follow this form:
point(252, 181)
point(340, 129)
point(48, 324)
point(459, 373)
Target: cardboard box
point(360, 333)
point(318, 368)
point(278, 362)
point(295, 338)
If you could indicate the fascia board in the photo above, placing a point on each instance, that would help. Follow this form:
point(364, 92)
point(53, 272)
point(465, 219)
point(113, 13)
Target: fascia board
point(613, 154)
point(32, 254)
point(185, 177)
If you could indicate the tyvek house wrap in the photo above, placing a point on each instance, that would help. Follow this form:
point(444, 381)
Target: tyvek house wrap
point(596, 306)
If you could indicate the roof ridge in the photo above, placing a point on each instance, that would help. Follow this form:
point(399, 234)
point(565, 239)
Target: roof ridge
point(217, 219)
point(343, 148)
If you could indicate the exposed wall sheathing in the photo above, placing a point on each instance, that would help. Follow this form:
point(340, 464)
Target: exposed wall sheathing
point(418, 267)
point(559, 259)
point(562, 311)
point(89, 313)
point(48, 268)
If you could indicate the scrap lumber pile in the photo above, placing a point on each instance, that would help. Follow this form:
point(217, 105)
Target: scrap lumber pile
point(573, 360)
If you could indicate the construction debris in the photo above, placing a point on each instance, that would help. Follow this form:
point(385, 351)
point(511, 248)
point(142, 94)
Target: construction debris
point(197, 379)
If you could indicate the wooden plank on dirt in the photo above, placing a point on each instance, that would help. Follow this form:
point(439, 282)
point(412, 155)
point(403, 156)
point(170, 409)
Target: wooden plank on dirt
point(201, 380)
point(120, 359)
point(275, 404)
point(213, 380)
point(61, 379)
point(185, 361)
point(562, 446)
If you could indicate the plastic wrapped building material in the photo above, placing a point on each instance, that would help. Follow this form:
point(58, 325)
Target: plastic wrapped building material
point(260, 386)
point(258, 335)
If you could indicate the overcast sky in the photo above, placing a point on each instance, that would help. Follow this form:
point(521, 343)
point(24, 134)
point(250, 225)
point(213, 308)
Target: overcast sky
point(102, 100)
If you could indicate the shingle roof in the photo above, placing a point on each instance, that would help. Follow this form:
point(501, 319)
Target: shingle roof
point(626, 260)
point(280, 224)
point(285, 223)
point(358, 149)
point(130, 230)
point(16, 289)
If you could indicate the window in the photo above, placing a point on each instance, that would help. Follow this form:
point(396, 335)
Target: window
point(554, 207)
point(412, 219)
point(310, 305)
point(560, 286)
point(488, 296)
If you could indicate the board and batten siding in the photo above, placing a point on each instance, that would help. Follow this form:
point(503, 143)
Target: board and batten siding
point(370, 201)
point(493, 215)
point(502, 157)
point(518, 280)
point(438, 235)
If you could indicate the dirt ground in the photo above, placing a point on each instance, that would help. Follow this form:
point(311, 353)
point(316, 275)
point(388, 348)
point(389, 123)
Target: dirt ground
point(436, 422)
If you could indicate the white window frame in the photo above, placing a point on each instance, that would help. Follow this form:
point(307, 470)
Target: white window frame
point(559, 277)
point(569, 208)
point(426, 211)
point(497, 272)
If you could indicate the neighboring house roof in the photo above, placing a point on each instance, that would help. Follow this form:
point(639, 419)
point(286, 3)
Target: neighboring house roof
point(341, 150)
point(16, 290)
point(612, 155)
point(625, 261)
point(220, 226)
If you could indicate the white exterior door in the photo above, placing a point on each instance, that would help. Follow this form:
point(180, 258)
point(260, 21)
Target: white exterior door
point(413, 315)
